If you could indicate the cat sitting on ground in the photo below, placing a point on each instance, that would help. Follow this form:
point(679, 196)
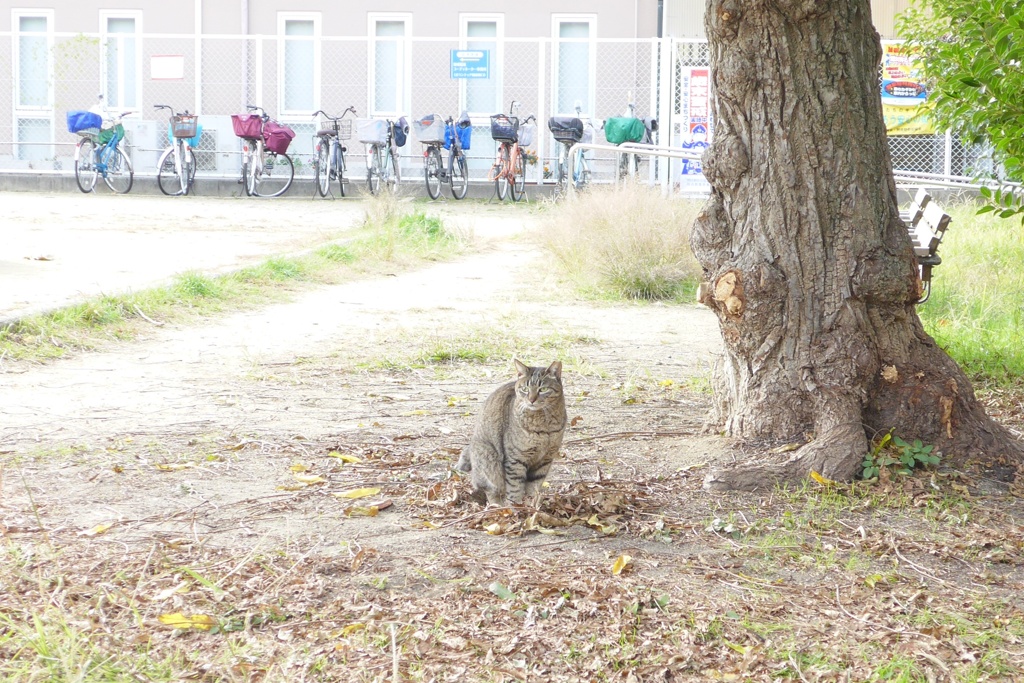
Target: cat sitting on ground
point(517, 436)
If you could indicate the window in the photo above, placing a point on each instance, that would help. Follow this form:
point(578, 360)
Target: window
point(34, 65)
point(33, 94)
point(300, 62)
point(390, 66)
point(574, 63)
point(482, 96)
point(121, 59)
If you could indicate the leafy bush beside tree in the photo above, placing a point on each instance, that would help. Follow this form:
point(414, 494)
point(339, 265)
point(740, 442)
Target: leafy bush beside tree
point(972, 55)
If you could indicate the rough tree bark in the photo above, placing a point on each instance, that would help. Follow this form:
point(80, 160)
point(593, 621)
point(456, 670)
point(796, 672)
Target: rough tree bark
point(808, 265)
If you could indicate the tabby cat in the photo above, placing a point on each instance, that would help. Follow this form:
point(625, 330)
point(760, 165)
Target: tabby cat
point(517, 435)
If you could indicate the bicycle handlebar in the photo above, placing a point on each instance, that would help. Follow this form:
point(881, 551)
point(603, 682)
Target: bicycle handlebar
point(171, 109)
point(335, 118)
point(263, 112)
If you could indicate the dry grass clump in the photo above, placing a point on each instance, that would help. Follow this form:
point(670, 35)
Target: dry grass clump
point(626, 242)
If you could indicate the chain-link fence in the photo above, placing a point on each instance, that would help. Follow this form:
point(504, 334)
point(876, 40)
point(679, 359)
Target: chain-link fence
point(291, 76)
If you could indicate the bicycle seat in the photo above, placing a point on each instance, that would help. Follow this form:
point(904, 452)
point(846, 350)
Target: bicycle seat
point(325, 131)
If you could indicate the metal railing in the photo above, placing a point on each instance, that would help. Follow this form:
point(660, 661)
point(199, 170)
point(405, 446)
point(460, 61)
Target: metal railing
point(630, 148)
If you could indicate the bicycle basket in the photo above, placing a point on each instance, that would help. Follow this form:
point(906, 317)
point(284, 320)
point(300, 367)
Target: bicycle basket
point(624, 129)
point(345, 129)
point(527, 133)
point(108, 134)
point(429, 129)
point(249, 126)
point(372, 131)
point(342, 128)
point(566, 128)
point(184, 126)
point(277, 137)
point(192, 141)
point(588, 133)
point(504, 127)
point(83, 121)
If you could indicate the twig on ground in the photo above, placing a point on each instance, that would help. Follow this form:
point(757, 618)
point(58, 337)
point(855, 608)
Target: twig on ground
point(146, 317)
point(624, 435)
point(872, 625)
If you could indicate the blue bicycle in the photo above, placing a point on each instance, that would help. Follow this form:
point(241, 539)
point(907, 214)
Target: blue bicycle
point(98, 154)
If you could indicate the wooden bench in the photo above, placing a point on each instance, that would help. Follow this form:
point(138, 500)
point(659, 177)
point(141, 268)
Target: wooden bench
point(926, 225)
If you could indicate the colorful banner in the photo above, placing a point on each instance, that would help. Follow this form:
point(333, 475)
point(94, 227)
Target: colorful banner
point(903, 95)
point(696, 134)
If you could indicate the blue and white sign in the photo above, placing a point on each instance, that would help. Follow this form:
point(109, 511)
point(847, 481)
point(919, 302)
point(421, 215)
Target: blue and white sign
point(471, 63)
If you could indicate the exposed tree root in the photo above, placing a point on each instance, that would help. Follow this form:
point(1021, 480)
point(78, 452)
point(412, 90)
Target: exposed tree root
point(837, 454)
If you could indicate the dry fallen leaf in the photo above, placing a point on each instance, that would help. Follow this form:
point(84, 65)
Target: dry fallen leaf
point(299, 467)
point(362, 511)
point(178, 620)
point(357, 493)
point(824, 481)
point(345, 457)
point(309, 479)
point(173, 466)
point(168, 592)
point(621, 564)
point(96, 530)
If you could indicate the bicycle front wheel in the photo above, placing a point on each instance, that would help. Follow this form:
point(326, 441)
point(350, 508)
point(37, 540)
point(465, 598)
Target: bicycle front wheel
point(341, 169)
point(251, 169)
point(582, 176)
point(276, 175)
point(188, 167)
point(85, 165)
point(501, 179)
point(171, 175)
point(432, 172)
point(393, 175)
point(322, 169)
point(119, 176)
point(518, 177)
point(373, 173)
point(459, 174)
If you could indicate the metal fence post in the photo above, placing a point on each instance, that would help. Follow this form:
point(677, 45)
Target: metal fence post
point(541, 138)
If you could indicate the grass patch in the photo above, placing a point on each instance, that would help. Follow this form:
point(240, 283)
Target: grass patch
point(625, 243)
point(390, 235)
point(491, 344)
point(975, 308)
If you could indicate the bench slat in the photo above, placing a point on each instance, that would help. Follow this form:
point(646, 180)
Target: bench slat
point(926, 225)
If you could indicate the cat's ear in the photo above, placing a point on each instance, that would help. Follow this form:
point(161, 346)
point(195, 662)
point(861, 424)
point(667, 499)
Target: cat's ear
point(520, 368)
point(556, 369)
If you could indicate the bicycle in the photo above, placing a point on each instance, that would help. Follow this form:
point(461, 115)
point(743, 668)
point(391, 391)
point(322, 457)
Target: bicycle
point(455, 137)
point(509, 169)
point(568, 131)
point(382, 138)
point(98, 152)
point(330, 152)
point(267, 170)
point(176, 168)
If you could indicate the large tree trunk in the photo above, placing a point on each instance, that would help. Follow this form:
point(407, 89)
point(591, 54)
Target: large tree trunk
point(808, 264)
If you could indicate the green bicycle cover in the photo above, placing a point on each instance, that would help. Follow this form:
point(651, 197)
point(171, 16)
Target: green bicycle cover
point(624, 129)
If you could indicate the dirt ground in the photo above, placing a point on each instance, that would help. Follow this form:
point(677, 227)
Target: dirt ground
point(203, 471)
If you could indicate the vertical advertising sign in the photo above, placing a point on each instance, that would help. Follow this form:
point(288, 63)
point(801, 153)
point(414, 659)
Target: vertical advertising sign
point(696, 132)
point(903, 95)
